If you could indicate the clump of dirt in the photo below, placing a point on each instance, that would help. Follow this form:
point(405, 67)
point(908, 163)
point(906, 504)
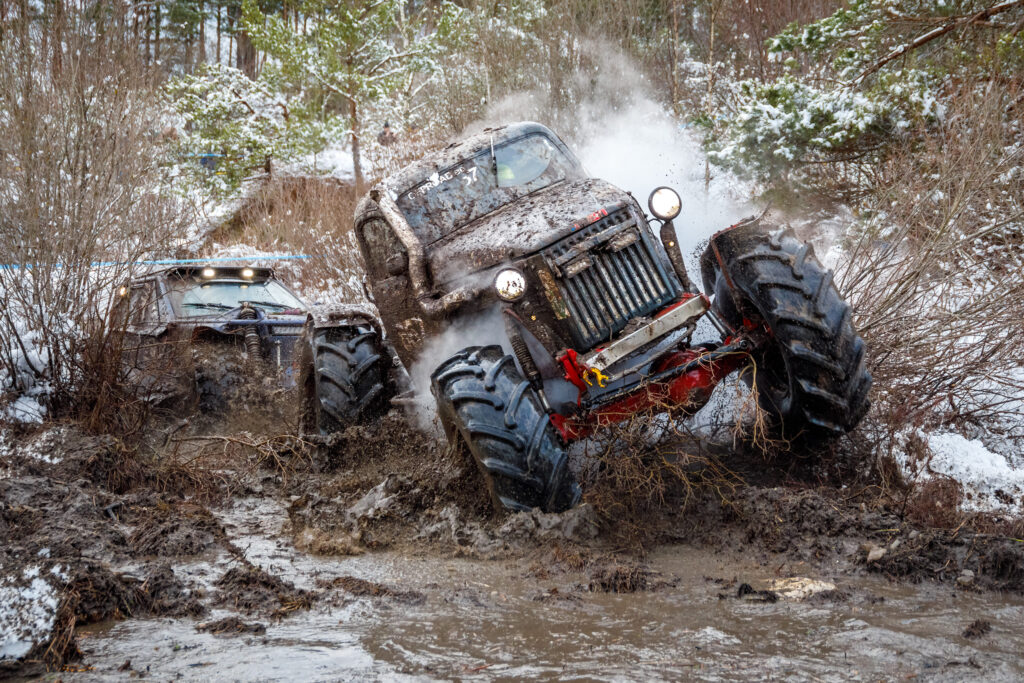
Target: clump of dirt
point(804, 522)
point(613, 575)
point(319, 542)
point(250, 589)
point(555, 595)
point(970, 559)
point(363, 588)
point(977, 628)
point(560, 559)
point(231, 626)
point(747, 592)
point(167, 596)
point(91, 592)
point(43, 515)
point(176, 532)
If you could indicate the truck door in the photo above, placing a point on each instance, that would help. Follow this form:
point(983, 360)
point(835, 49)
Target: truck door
point(387, 263)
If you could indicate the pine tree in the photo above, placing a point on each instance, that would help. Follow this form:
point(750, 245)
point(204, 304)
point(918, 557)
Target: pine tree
point(354, 54)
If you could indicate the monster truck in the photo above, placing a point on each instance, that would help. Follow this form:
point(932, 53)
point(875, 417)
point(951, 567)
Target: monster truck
point(592, 301)
point(230, 325)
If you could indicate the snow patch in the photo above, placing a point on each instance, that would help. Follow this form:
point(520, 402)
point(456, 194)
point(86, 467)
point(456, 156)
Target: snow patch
point(990, 481)
point(334, 161)
point(25, 409)
point(28, 609)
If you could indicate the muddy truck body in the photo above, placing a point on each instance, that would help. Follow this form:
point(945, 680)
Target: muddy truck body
point(598, 309)
point(212, 331)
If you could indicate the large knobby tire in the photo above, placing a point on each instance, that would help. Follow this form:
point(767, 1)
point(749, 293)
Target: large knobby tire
point(484, 401)
point(810, 375)
point(344, 378)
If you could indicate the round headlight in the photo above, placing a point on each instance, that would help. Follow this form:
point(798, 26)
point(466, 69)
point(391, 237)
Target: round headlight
point(664, 203)
point(510, 284)
point(247, 272)
point(209, 272)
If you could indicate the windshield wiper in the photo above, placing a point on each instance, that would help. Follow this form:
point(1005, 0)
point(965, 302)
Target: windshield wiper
point(222, 307)
point(270, 303)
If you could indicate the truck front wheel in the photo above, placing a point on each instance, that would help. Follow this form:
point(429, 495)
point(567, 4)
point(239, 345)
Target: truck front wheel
point(810, 374)
point(486, 405)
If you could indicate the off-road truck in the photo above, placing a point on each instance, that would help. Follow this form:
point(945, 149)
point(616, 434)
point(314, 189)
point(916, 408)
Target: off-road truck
point(216, 330)
point(592, 300)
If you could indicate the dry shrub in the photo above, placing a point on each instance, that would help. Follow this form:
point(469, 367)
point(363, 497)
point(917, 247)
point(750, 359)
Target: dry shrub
point(283, 453)
point(936, 278)
point(80, 185)
point(300, 215)
point(935, 503)
point(648, 468)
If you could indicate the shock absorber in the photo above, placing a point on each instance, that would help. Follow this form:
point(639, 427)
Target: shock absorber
point(252, 337)
point(525, 358)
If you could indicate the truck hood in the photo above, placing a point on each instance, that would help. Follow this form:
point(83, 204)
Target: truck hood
point(520, 228)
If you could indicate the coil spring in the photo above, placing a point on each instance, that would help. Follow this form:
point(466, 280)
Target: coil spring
point(252, 338)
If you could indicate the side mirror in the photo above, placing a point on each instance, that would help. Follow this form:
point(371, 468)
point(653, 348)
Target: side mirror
point(397, 264)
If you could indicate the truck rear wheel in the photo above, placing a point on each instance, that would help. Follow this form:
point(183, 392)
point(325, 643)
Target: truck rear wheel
point(810, 375)
point(483, 399)
point(344, 378)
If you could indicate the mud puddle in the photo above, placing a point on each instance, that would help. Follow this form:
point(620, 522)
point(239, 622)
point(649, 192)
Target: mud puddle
point(687, 613)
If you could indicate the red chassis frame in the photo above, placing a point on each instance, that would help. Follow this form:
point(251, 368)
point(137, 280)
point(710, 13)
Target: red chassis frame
point(687, 391)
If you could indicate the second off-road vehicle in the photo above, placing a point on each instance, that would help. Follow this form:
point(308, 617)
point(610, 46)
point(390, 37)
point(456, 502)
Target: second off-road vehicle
point(592, 301)
point(222, 334)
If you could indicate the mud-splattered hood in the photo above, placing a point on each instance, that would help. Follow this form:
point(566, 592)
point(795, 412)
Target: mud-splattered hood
point(520, 228)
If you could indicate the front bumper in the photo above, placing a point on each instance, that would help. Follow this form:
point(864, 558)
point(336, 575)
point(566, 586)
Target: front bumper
point(683, 314)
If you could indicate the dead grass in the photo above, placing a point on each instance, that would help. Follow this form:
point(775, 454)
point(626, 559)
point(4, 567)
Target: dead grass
point(647, 469)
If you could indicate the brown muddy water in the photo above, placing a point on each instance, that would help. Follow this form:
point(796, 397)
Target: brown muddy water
point(458, 618)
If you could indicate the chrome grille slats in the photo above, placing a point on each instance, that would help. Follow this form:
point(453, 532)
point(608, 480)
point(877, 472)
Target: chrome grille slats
point(617, 286)
point(572, 298)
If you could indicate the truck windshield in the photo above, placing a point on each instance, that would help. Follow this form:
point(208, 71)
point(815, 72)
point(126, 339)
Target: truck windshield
point(208, 298)
point(481, 184)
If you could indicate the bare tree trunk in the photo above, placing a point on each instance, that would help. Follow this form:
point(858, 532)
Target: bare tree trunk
point(156, 34)
point(218, 34)
point(357, 166)
point(245, 51)
point(202, 34)
point(716, 5)
point(674, 55)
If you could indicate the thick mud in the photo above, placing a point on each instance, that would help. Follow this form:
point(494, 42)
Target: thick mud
point(247, 555)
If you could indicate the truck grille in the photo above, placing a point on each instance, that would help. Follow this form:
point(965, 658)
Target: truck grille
point(608, 273)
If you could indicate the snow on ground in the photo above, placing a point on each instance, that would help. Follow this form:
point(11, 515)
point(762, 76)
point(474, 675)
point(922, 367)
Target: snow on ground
point(28, 609)
point(991, 482)
point(25, 409)
point(334, 161)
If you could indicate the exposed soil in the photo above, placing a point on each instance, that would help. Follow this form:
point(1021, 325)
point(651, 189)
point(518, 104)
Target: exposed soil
point(113, 529)
point(251, 590)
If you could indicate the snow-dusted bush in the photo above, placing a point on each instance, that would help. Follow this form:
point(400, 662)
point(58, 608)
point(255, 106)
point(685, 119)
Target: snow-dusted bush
point(860, 84)
point(83, 198)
